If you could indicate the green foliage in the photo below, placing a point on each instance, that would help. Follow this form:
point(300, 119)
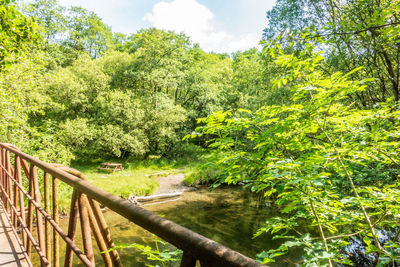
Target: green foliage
point(158, 64)
point(373, 34)
point(349, 38)
point(23, 98)
point(75, 28)
point(305, 155)
point(302, 128)
point(96, 120)
point(16, 32)
point(253, 76)
point(87, 32)
point(166, 62)
point(137, 103)
point(50, 15)
point(289, 17)
point(156, 254)
point(205, 173)
point(248, 77)
point(133, 103)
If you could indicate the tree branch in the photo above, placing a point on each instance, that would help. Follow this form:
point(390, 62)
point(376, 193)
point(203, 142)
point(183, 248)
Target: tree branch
point(356, 31)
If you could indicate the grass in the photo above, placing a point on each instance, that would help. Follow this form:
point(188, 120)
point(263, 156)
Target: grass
point(205, 172)
point(133, 180)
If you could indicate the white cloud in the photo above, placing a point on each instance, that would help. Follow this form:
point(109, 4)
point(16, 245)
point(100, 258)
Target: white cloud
point(198, 22)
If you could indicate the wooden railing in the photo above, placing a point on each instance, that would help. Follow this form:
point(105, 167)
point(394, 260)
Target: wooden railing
point(27, 205)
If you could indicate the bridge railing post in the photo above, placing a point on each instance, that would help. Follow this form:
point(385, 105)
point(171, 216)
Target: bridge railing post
point(56, 245)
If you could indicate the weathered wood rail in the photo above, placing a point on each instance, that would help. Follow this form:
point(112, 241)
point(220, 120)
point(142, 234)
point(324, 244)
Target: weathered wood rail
point(30, 206)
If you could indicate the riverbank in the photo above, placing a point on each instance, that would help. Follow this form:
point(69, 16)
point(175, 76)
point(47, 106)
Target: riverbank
point(139, 177)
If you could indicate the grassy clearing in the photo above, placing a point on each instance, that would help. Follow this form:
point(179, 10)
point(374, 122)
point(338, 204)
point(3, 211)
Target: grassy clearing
point(135, 178)
point(124, 183)
point(132, 180)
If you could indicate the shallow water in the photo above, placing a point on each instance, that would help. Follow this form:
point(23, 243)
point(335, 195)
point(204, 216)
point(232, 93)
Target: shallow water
point(229, 216)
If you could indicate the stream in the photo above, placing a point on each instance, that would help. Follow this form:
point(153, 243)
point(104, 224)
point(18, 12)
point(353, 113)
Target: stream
point(227, 215)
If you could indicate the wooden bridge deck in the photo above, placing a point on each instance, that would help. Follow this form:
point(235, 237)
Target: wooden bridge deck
point(10, 251)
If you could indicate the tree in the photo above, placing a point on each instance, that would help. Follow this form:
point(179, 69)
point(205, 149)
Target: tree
point(207, 86)
point(51, 16)
point(21, 87)
point(16, 32)
point(23, 100)
point(291, 16)
point(352, 34)
point(94, 116)
point(159, 64)
point(165, 62)
point(249, 79)
point(369, 41)
point(326, 164)
point(87, 32)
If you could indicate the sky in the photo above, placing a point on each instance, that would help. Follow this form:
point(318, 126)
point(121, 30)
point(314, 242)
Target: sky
point(217, 25)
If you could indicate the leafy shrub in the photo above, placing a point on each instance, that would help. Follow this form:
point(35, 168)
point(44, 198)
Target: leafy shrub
point(309, 155)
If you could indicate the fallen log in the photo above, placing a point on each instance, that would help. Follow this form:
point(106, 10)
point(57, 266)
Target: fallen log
point(160, 202)
point(157, 174)
point(158, 196)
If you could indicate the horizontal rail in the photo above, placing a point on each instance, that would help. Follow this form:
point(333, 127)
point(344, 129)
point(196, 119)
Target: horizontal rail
point(30, 236)
point(47, 217)
point(195, 246)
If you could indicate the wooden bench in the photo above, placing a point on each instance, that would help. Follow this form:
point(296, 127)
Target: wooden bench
point(111, 166)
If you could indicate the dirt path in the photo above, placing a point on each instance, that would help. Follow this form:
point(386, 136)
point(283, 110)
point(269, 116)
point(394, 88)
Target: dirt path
point(172, 183)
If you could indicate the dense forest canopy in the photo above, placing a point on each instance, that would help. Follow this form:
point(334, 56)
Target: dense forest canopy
point(108, 93)
point(311, 122)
